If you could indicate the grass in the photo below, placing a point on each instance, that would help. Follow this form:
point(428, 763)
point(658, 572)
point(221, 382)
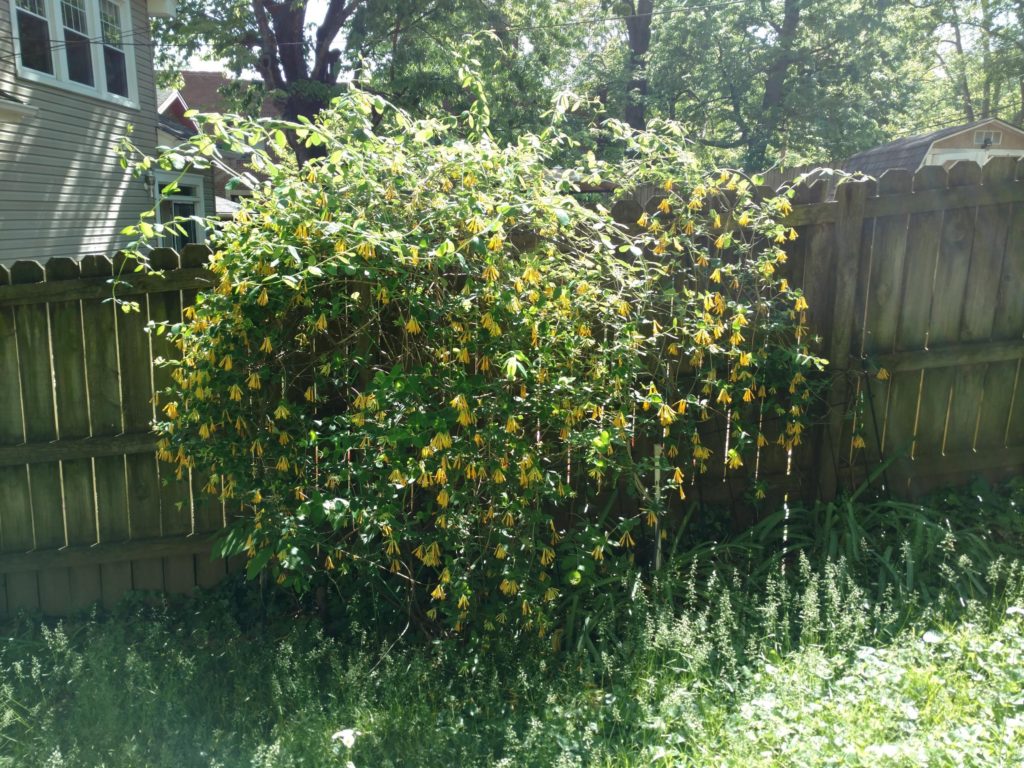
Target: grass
point(797, 664)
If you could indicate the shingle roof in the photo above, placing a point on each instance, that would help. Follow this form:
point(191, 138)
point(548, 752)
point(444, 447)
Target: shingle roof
point(174, 128)
point(906, 153)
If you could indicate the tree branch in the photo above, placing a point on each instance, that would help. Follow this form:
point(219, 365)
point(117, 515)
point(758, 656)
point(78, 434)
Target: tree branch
point(338, 12)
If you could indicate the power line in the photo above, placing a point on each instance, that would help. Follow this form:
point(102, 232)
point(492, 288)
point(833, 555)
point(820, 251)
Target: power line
point(521, 28)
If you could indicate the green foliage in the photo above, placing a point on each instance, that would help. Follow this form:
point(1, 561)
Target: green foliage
point(428, 370)
point(803, 668)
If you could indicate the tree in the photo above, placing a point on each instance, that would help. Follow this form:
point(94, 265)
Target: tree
point(402, 49)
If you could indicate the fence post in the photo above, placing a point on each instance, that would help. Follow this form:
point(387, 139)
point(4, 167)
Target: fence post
point(848, 235)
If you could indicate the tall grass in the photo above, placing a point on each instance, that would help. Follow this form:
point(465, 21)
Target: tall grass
point(724, 660)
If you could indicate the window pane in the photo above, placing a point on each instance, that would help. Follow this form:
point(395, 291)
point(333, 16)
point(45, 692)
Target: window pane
point(79, 56)
point(34, 39)
point(117, 74)
point(110, 23)
point(33, 6)
point(190, 236)
point(73, 13)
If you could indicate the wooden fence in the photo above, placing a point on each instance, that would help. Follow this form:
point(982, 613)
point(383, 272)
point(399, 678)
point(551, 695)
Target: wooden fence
point(86, 511)
point(921, 276)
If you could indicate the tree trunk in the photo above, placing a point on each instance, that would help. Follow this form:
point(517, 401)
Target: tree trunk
point(638, 28)
point(965, 88)
point(772, 103)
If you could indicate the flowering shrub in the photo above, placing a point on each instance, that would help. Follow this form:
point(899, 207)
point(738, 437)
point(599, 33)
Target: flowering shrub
point(426, 367)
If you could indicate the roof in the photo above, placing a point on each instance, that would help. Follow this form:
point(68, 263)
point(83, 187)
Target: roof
point(175, 128)
point(201, 91)
point(226, 208)
point(908, 152)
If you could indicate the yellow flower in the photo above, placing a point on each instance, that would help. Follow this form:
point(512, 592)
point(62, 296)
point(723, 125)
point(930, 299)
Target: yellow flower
point(171, 409)
point(412, 327)
point(463, 603)
point(495, 243)
point(490, 273)
point(310, 394)
point(720, 242)
point(598, 552)
point(282, 412)
point(253, 381)
point(882, 375)
point(235, 392)
point(266, 346)
point(512, 425)
point(442, 499)
point(626, 540)
point(748, 395)
point(664, 206)
point(744, 219)
point(858, 442)
point(366, 250)
point(321, 323)
point(735, 460)
point(547, 556)
point(226, 363)
point(438, 593)
point(642, 221)
point(666, 415)
point(282, 464)
point(263, 298)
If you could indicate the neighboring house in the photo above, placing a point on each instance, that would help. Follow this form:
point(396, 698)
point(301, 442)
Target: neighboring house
point(75, 77)
point(977, 141)
point(204, 92)
point(194, 195)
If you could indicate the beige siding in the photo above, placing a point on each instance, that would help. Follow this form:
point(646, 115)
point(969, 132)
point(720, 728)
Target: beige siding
point(62, 191)
point(1012, 139)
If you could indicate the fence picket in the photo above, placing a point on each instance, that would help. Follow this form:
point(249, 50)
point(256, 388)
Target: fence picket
point(1008, 319)
point(923, 241)
point(944, 318)
point(103, 380)
point(22, 589)
point(979, 307)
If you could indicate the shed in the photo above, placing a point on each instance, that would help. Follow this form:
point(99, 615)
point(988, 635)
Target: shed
point(977, 141)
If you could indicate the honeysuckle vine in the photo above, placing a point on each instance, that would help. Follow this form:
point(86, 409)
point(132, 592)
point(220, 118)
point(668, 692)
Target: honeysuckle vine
point(427, 369)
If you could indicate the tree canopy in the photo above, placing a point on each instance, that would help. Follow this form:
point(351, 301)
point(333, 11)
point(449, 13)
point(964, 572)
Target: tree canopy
point(755, 82)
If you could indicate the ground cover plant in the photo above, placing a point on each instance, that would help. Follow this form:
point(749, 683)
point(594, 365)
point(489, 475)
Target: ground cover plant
point(429, 373)
point(802, 665)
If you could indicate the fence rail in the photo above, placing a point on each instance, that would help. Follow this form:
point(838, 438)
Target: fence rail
point(920, 276)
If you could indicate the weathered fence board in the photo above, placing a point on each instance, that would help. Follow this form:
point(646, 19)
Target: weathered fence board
point(922, 276)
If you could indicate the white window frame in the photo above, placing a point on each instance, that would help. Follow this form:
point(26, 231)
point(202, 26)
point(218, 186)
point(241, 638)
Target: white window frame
point(59, 78)
point(995, 136)
point(162, 178)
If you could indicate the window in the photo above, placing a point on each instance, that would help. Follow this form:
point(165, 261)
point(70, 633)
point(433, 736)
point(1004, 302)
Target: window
point(77, 44)
point(183, 199)
point(113, 48)
point(76, 41)
point(988, 138)
point(34, 35)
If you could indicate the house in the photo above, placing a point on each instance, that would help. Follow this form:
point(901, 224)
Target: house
point(193, 193)
point(976, 141)
point(75, 77)
point(205, 92)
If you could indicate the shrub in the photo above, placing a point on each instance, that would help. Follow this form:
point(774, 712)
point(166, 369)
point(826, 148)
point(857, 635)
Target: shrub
point(426, 368)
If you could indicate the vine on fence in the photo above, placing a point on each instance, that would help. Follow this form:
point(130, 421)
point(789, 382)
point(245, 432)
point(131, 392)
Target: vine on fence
point(426, 365)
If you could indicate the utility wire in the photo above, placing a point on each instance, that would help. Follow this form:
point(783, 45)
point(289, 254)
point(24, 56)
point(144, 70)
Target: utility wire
point(521, 28)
